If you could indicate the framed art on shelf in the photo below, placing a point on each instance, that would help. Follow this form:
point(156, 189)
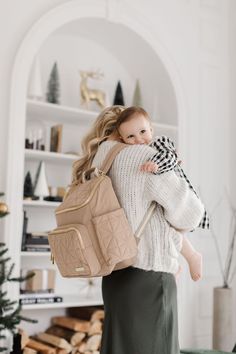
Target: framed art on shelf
point(56, 138)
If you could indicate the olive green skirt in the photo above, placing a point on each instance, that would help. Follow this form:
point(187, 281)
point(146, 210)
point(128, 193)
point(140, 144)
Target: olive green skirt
point(140, 313)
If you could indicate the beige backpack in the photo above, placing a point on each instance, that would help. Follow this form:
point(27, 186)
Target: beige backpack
point(93, 236)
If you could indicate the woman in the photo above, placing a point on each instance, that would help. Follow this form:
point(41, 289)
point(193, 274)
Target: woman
point(140, 301)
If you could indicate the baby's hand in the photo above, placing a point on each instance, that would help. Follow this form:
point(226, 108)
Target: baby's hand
point(149, 166)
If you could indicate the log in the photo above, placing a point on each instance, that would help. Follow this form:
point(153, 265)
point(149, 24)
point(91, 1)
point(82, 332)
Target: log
point(82, 347)
point(71, 336)
point(24, 338)
point(75, 351)
point(95, 328)
point(61, 351)
point(29, 351)
point(40, 347)
point(55, 341)
point(72, 323)
point(93, 342)
point(98, 315)
point(83, 313)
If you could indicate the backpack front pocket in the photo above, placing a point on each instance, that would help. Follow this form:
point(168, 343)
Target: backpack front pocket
point(73, 251)
point(115, 237)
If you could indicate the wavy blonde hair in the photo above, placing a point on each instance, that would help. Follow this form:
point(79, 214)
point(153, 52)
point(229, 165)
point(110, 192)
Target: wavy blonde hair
point(102, 129)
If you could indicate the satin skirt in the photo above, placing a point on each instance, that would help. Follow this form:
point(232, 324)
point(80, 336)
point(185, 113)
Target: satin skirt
point(140, 313)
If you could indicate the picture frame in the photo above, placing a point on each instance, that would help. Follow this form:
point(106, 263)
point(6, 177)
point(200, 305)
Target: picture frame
point(56, 138)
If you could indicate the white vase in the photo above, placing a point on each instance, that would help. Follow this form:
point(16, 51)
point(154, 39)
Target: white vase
point(222, 318)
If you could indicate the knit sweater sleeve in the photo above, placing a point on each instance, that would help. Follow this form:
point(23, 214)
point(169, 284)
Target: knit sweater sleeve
point(182, 208)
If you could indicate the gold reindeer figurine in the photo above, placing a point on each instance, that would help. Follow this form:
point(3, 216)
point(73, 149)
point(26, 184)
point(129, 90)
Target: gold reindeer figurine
point(87, 94)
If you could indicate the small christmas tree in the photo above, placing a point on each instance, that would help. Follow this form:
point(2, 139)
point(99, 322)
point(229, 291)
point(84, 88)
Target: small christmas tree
point(28, 186)
point(119, 99)
point(9, 310)
point(137, 99)
point(53, 92)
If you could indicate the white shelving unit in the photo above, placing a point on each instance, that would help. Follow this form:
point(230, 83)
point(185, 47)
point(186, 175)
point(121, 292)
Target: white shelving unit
point(43, 211)
point(49, 156)
point(35, 254)
point(37, 203)
point(38, 110)
point(68, 301)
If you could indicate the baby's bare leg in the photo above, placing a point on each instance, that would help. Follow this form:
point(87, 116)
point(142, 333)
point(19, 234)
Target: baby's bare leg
point(193, 258)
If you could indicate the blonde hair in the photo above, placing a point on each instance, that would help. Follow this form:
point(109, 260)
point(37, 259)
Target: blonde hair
point(129, 113)
point(102, 129)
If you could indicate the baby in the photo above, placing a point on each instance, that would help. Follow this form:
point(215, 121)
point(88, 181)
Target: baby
point(134, 127)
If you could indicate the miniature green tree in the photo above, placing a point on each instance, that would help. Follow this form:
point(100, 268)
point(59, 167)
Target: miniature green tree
point(53, 92)
point(9, 309)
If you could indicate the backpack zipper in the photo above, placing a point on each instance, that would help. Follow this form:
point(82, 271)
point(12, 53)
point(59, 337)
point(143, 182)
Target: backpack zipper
point(61, 230)
point(86, 202)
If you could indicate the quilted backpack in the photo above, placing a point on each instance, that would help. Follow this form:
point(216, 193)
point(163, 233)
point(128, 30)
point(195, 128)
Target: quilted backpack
point(93, 236)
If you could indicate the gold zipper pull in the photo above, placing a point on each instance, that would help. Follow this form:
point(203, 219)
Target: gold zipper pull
point(52, 258)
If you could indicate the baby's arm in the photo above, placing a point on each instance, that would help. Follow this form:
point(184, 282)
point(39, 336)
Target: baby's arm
point(162, 161)
point(165, 157)
point(149, 166)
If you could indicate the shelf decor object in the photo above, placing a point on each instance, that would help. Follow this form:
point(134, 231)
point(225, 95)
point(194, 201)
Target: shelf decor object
point(35, 90)
point(3, 209)
point(56, 138)
point(41, 188)
point(118, 98)
point(28, 186)
point(53, 92)
point(88, 94)
point(137, 99)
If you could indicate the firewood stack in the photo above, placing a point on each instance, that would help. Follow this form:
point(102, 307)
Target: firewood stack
point(69, 334)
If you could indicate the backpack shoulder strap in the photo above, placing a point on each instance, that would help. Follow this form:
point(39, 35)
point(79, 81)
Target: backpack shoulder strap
point(111, 156)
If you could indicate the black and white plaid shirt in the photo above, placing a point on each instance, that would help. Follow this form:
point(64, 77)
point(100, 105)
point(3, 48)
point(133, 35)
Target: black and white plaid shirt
point(166, 158)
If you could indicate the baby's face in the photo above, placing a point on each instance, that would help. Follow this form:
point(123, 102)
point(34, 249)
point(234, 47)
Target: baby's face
point(136, 131)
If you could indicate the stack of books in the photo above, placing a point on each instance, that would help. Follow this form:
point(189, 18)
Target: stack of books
point(36, 242)
point(31, 298)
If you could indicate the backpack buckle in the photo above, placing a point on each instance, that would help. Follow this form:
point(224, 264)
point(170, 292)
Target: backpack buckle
point(86, 175)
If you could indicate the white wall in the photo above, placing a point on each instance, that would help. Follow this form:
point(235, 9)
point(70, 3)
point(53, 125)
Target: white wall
point(195, 33)
point(232, 86)
point(232, 73)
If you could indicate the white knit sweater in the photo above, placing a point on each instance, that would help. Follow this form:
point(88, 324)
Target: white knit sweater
point(177, 205)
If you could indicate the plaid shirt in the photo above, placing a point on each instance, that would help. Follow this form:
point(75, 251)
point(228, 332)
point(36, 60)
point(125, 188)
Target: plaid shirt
point(166, 158)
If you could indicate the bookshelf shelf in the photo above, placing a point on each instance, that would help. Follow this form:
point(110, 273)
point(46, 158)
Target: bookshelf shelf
point(38, 110)
point(68, 301)
point(35, 254)
point(49, 156)
point(36, 203)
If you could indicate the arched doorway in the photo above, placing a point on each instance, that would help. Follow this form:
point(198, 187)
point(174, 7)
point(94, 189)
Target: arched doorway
point(38, 34)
